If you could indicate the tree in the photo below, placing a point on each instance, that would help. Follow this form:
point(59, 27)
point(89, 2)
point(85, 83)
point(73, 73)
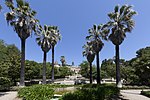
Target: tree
point(13, 59)
point(32, 70)
point(43, 40)
point(90, 55)
point(96, 33)
point(63, 71)
point(9, 61)
point(55, 37)
point(141, 66)
point(108, 68)
point(120, 23)
point(63, 60)
point(84, 69)
point(0, 7)
point(21, 18)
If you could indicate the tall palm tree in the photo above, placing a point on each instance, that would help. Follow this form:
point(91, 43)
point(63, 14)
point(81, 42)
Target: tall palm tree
point(43, 40)
point(90, 55)
point(120, 23)
point(63, 60)
point(0, 7)
point(96, 34)
point(54, 38)
point(21, 18)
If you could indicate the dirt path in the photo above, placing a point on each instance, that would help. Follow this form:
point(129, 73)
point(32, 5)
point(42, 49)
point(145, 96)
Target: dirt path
point(8, 95)
point(133, 95)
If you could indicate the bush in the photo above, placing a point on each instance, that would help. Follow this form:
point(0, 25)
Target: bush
point(135, 87)
point(4, 84)
point(146, 93)
point(93, 92)
point(36, 92)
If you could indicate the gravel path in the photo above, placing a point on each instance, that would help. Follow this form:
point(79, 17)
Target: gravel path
point(8, 95)
point(133, 95)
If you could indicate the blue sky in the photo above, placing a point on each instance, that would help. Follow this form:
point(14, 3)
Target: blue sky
point(74, 18)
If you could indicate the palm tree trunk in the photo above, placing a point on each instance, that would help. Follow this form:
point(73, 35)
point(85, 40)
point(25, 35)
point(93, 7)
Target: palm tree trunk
point(90, 73)
point(118, 77)
point(98, 69)
point(52, 63)
point(44, 69)
point(22, 73)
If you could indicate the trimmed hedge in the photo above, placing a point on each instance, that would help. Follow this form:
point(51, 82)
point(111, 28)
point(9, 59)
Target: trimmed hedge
point(5, 84)
point(135, 87)
point(36, 92)
point(93, 92)
point(145, 93)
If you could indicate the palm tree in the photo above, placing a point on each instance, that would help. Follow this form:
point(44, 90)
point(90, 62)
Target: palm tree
point(0, 7)
point(120, 23)
point(43, 40)
point(88, 52)
point(23, 22)
point(96, 33)
point(54, 38)
point(63, 60)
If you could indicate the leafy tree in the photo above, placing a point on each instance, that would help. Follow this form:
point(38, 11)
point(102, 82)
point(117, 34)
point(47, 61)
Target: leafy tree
point(43, 40)
point(108, 68)
point(21, 18)
point(141, 65)
point(13, 54)
point(96, 33)
point(32, 70)
point(63, 71)
point(85, 70)
point(120, 23)
point(88, 52)
point(9, 61)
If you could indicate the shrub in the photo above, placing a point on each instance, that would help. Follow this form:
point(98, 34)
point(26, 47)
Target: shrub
point(36, 92)
point(135, 87)
point(146, 93)
point(4, 84)
point(93, 92)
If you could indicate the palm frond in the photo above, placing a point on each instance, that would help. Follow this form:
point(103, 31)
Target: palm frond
point(116, 8)
point(122, 9)
point(20, 3)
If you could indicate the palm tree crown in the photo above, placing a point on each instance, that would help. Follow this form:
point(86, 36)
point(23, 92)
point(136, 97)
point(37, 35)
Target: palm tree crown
point(120, 22)
point(88, 52)
point(96, 33)
point(21, 18)
point(44, 38)
point(55, 35)
point(63, 60)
